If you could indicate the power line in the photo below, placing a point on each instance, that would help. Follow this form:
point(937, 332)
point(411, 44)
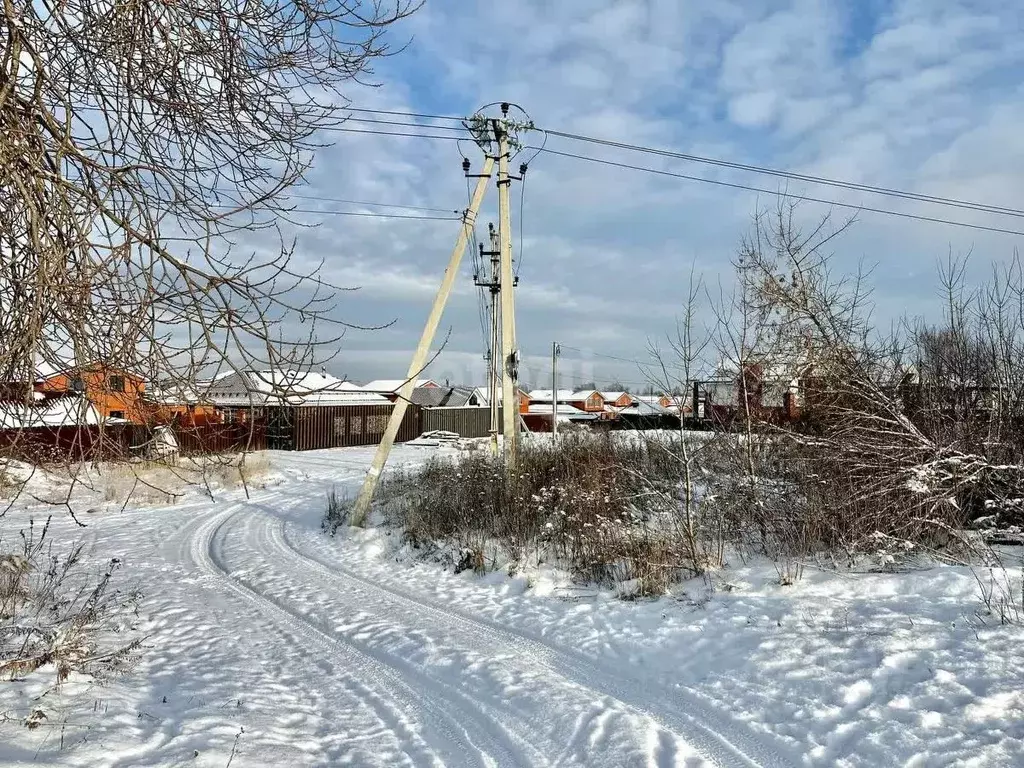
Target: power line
point(789, 195)
point(292, 196)
point(953, 202)
point(356, 213)
point(610, 357)
point(764, 170)
point(580, 379)
point(403, 114)
point(459, 128)
point(396, 133)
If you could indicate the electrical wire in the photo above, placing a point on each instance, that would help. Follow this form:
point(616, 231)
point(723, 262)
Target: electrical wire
point(403, 114)
point(292, 196)
point(458, 128)
point(600, 354)
point(585, 379)
point(359, 213)
point(888, 191)
point(397, 133)
point(519, 243)
point(789, 195)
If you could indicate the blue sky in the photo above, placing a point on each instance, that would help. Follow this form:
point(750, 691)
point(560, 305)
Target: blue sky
point(915, 94)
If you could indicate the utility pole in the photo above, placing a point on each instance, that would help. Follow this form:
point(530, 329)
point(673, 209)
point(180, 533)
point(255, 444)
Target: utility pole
point(493, 284)
point(554, 389)
point(510, 359)
point(419, 358)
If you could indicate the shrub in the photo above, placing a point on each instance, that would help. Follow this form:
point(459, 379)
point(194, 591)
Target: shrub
point(55, 615)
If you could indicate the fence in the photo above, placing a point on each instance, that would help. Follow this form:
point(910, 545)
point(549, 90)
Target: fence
point(337, 426)
point(466, 422)
point(301, 428)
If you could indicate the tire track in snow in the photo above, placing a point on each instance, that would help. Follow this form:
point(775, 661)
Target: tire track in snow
point(196, 546)
point(681, 711)
point(450, 720)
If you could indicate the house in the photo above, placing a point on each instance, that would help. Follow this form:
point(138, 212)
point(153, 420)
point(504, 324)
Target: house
point(618, 399)
point(172, 402)
point(590, 401)
point(643, 414)
point(448, 397)
point(240, 392)
point(113, 392)
point(390, 388)
point(525, 398)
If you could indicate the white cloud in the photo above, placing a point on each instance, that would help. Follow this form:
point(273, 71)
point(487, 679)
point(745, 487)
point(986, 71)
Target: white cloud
point(924, 96)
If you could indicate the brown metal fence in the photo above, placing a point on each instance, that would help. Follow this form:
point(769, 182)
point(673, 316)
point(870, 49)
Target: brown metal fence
point(466, 422)
point(302, 428)
point(337, 426)
point(221, 438)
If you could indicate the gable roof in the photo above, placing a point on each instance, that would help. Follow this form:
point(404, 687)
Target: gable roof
point(544, 395)
point(483, 394)
point(583, 394)
point(287, 387)
point(613, 396)
point(440, 397)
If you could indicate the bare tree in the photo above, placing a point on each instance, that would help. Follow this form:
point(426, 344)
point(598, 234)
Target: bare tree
point(141, 145)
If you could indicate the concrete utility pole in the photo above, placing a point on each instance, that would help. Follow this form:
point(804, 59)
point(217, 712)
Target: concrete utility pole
point(554, 389)
point(419, 358)
point(510, 360)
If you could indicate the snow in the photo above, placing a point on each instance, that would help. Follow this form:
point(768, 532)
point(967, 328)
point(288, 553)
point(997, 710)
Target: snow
point(354, 650)
point(56, 412)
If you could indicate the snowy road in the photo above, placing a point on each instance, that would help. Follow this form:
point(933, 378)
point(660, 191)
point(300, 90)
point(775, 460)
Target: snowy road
point(271, 644)
point(438, 686)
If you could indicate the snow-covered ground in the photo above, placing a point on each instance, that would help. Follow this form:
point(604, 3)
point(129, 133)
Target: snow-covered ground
point(270, 644)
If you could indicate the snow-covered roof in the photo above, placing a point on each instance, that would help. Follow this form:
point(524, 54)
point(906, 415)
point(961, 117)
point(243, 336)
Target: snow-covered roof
point(612, 396)
point(562, 409)
point(56, 412)
point(644, 408)
point(583, 394)
point(563, 413)
point(484, 394)
point(288, 388)
point(544, 395)
point(391, 386)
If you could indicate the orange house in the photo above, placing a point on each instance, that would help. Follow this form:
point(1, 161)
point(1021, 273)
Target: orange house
point(115, 394)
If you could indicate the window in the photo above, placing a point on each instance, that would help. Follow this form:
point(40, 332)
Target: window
point(78, 385)
point(115, 383)
point(117, 414)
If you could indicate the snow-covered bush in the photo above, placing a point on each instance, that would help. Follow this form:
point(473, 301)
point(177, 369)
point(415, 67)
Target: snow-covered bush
point(57, 618)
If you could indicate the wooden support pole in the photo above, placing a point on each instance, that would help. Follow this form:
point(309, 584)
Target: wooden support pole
point(419, 358)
